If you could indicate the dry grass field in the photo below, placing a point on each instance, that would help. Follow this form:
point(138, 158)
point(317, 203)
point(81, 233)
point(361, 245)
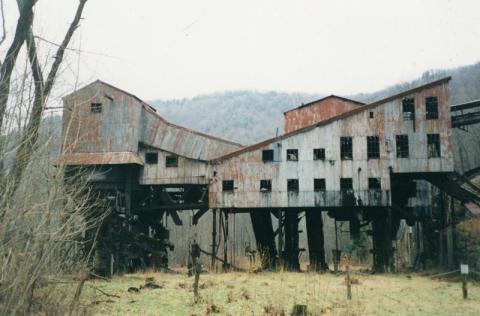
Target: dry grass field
point(277, 293)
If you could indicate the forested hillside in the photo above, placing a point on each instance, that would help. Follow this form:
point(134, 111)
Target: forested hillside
point(248, 116)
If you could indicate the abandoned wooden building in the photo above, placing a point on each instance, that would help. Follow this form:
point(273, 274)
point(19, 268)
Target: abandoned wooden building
point(359, 162)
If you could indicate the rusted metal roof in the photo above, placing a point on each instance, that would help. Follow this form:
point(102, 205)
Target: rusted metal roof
point(323, 99)
point(127, 122)
point(99, 158)
point(335, 118)
point(152, 110)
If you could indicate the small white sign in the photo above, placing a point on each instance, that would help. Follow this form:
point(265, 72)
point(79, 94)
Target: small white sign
point(464, 268)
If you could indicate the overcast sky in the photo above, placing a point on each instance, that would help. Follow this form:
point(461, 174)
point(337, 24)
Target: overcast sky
point(173, 49)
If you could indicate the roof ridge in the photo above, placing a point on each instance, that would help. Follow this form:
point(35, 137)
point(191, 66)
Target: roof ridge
point(322, 99)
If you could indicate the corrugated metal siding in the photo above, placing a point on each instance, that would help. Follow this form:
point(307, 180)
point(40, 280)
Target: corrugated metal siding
point(317, 112)
point(124, 123)
point(247, 169)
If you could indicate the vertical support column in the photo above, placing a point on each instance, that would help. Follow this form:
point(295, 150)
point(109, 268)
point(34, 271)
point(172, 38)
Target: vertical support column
point(263, 230)
point(225, 241)
point(336, 257)
point(291, 241)
point(280, 238)
point(214, 239)
point(442, 230)
point(316, 249)
point(379, 241)
point(388, 241)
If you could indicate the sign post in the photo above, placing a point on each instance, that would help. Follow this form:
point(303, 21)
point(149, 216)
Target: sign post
point(464, 272)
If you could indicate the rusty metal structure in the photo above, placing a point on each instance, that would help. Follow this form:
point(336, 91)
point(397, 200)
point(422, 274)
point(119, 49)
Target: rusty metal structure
point(361, 163)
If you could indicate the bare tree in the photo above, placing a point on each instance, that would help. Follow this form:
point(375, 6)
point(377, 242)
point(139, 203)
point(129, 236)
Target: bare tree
point(43, 218)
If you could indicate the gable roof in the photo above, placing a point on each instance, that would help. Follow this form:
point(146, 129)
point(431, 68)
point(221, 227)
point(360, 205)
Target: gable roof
point(335, 118)
point(152, 110)
point(323, 99)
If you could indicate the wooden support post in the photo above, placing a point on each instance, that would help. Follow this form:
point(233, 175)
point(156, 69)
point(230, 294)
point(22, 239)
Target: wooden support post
point(315, 238)
point(336, 258)
point(214, 239)
point(280, 239)
point(291, 241)
point(442, 230)
point(225, 240)
point(263, 230)
point(388, 250)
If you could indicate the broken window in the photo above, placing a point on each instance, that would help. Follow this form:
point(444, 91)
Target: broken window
point(431, 107)
point(346, 192)
point(96, 108)
point(171, 161)
point(319, 154)
point(227, 185)
point(346, 148)
point(408, 108)
point(319, 185)
point(371, 114)
point(373, 147)
point(433, 144)
point(292, 185)
point(267, 155)
point(374, 184)
point(292, 154)
point(346, 184)
point(402, 146)
point(265, 185)
point(151, 158)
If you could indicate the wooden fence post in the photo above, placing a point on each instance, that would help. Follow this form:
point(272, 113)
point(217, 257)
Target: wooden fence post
point(349, 283)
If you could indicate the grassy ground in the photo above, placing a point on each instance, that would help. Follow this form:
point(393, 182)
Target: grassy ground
point(276, 293)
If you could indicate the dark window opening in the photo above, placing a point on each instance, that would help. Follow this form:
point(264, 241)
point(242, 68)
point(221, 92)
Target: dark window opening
point(267, 155)
point(292, 154)
point(433, 144)
point(265, 185)
point(374, 184)
point(151, 158)
point(346, 184)
point(319, 185)
point(171, 161)
point(319, 154)
point(431, 105)
point(346, 150)
point(402, 146)
point(408, 108)
point(371, 114)
point(227, 185)
point(96, 107)
point(292, 185)
point(373, 147)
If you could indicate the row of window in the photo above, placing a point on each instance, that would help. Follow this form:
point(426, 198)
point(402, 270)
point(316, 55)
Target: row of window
point(373, 149)
point(431, 108)
point(319, 185)
point(171, 161)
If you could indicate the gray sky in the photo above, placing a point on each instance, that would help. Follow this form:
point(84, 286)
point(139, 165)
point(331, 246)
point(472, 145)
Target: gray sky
point(171, 49)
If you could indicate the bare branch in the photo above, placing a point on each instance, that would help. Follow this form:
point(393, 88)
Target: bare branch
point(4, 30)
point(42, 91)
point(24, 23)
